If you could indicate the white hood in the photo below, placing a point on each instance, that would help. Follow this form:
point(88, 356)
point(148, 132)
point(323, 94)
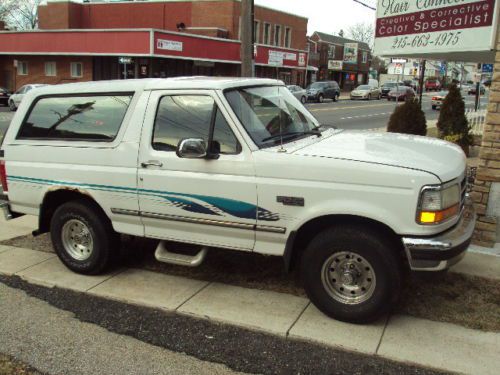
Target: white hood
point(443, 159)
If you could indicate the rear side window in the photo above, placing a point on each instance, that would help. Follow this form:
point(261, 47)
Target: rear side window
point(78, 118)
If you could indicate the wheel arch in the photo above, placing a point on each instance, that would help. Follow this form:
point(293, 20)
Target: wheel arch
point(299, 238)
point(56, 197)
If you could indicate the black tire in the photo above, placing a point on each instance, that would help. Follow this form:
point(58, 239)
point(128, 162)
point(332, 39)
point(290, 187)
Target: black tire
point(384, 267)
point(321, 98)
point(104, 239)
point(379, 97)
point(336, 97)
point(12, 106)
point(369, 97)
point(303, 100)
point(433, 107)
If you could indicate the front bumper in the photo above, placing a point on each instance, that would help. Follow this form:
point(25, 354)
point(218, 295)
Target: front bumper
point(444, 250)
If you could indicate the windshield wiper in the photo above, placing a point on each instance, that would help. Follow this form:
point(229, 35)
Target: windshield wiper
point(314, 131)
point(324, 126)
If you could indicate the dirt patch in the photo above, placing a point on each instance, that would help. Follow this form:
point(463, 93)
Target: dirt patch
point(472, 302)
point(9, 366)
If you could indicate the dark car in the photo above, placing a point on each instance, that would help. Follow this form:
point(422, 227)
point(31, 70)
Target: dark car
point(387, 87)
point(4, 96)
point(401, 93)
point(472, 90)
point(319, 91)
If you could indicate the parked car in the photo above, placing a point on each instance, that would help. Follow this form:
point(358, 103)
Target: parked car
point(4, 96)
point(414, 84)
point(401, 93)
point(298, 92)
point(487, 82)
point(437, 99)
point(16, 98)
point(473, 90)
point(236, 164)
point(387, 87)
point(319, 91)
point(366, 92)
point(432, 85)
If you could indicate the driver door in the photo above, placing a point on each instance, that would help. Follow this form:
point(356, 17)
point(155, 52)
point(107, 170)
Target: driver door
point(204, 201)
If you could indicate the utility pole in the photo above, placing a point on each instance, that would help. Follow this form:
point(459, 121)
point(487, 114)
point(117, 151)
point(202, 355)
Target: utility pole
point(422, 78)
point(247, 38)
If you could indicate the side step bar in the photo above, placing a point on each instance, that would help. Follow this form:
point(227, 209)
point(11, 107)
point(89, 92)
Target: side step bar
point(165, 256)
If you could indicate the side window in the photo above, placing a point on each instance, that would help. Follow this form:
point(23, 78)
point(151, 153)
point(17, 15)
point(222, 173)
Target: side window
point(191, 116)
point(77, 118)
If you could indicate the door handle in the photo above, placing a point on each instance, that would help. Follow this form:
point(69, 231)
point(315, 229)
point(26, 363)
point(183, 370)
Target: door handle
point(152, 163)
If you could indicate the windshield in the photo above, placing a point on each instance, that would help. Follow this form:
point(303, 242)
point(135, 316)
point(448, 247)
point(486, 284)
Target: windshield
point(317, 85)
point(268, 111)
point(363, 87)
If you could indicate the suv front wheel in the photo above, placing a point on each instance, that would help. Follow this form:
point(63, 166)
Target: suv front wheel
point(83, 239)
point(351, 274)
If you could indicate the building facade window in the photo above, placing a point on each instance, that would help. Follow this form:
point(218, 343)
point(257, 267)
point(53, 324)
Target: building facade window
point(50, 69)
point(365, 57)
point(22, 68)
point(267, 33)
point(277, 35)
point(76, 69)
point(331, 51)
point(288, 37)
point(256, 31)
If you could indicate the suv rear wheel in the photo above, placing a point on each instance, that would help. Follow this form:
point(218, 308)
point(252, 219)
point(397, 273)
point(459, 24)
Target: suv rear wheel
point(350, 274)
point(12, 106)
point(335, 97)
point(83, 239)
point(321, 98)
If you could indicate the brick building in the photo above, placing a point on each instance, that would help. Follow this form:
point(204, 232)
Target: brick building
point(328, 54)
point(116, 40)
point(486, 191)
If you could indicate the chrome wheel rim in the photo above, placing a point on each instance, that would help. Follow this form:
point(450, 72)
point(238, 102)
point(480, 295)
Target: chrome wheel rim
point(348, 278)
point(77, 240)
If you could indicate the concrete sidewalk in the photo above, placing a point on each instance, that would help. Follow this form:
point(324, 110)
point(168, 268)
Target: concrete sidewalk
point(440, 345)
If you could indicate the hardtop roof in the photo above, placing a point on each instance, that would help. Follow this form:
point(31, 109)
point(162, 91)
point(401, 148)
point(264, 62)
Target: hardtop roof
point(132, 85)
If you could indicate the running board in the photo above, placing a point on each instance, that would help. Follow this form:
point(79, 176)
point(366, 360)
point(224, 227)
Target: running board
point(165, 256)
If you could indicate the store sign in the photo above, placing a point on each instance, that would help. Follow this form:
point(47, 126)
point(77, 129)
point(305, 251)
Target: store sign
point(302, 59)
point(169, 45)
point(487, 68)
point(125, 60)
point(351, 53)
point(422, 27)
point(398, 68)
point(335, 64)
point(275, 58)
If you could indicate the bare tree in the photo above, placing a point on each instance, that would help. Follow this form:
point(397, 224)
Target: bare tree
point(20, 14)
point(362, 32)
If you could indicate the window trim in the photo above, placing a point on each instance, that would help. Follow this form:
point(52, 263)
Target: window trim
point(288, 42)
point(268, 41)
point(279, 35)
point(257, 31)
point(364, 57)
point(55, 68)
point(19, 73)
point(92, 140)
point(213, 118)
point(71, 64)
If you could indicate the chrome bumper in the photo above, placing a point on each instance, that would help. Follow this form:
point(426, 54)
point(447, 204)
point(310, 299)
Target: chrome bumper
point(444, 250)
point(4, 206)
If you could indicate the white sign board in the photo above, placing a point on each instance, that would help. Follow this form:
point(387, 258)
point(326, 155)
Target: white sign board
point(398, 68)
point(275, 58)
point(433, 28)
point(169, 45)
point(335, 64)
point(351, 53)
point(302, 59)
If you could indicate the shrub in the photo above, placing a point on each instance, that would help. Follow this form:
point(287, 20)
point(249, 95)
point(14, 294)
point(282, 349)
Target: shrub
point(408, 119)
point(452, 124)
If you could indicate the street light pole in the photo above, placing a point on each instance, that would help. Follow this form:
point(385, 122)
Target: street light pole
point(247, 38)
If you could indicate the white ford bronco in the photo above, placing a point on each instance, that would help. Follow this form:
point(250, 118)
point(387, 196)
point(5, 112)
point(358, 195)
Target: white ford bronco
point(237, 164)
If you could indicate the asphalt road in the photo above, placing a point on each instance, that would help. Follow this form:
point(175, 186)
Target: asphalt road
point(345, 114)
point(356, 115)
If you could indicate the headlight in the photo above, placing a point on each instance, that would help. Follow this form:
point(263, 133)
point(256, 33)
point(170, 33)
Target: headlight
point(438, 204)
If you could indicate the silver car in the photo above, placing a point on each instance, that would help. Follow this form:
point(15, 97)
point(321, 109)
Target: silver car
point(298, 92)
point(16, 98)
point(366, 92)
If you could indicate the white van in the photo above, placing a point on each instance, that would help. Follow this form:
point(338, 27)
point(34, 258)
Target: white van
point(238, 164)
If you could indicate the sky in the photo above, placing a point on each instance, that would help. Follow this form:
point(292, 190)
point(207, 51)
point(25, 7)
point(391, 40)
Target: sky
point(328, 16)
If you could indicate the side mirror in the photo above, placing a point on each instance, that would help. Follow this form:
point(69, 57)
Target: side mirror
point(192, 148)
